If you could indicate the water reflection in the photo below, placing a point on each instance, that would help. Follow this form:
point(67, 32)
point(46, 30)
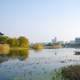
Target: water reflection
point(40, 65)
point(3, 57)
point(13, 54)
point(38, 50)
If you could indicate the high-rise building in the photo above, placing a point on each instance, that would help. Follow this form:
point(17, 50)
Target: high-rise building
point(54, 40)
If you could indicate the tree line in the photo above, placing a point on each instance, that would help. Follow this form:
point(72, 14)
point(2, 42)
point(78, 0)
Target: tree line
point(15, 42)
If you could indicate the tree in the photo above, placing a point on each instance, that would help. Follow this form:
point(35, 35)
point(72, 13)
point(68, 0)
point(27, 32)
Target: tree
point(23, 42)
point(13, 42)
point(3, 39)
point(38, 46)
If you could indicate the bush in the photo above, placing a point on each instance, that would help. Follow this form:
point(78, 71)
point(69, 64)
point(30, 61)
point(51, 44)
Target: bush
point(4, 48)
point(38, 46)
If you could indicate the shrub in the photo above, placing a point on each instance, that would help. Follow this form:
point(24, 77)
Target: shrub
point(4, 48)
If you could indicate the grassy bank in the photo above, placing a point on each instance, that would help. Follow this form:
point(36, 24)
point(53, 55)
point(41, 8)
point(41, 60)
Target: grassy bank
point(71, 72)
point(67, 73)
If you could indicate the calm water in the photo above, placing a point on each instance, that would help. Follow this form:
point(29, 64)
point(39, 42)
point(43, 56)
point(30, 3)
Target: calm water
point(36, 65)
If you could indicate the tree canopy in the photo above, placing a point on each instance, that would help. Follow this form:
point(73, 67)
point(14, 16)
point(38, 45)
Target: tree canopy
point(15, 42)
point(23, 42)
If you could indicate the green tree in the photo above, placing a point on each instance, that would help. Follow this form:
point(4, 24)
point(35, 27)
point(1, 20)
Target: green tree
point(13, 42)
point(3, 39)
point(23, 42)
point(38, 46)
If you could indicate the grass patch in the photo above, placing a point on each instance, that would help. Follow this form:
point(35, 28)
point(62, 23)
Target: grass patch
point(71, 72)
point(67, 73)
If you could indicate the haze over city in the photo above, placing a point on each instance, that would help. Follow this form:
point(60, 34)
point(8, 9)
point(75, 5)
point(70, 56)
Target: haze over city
point(40, 20)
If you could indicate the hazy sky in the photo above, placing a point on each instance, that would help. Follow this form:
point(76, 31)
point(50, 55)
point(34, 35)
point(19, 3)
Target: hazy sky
point(40, 20)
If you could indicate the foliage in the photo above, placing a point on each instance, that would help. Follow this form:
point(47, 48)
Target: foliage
point(71, 72)
point(49, 44)
point(23, 42)
point(13, 42)
point(38, 46)
point(67, 73)
point(57, 75)
point(3, 39)
point(4, 48)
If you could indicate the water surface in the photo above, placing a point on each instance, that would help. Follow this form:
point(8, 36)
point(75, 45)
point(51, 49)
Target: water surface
point(35, 65)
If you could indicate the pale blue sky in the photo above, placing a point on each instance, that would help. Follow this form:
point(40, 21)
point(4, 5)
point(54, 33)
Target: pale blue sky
point(40, 20)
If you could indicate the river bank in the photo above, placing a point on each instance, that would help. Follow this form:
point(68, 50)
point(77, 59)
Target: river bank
point(67, 73)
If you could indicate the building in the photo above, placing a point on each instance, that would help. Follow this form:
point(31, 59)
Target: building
point(73, 44)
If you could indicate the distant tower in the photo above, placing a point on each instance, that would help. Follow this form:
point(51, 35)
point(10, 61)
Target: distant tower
point(54, 40)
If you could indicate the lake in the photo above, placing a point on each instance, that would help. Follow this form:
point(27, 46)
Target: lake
point(37, 65)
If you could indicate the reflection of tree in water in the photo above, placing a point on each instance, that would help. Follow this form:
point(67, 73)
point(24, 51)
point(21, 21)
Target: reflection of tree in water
point(3, 57)
point(13, 54)
point(37, 50)
point(20, 54)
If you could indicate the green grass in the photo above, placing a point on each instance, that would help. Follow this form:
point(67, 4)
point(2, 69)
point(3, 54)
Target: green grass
point(67, 73)
point(71, 72)
point(57, 75)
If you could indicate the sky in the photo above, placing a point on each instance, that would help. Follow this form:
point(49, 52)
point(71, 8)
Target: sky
point(40, 20)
